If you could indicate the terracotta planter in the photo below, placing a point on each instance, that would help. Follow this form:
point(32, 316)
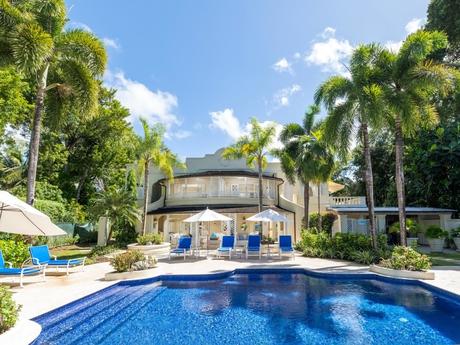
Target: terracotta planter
point(157, 250)
point(412, 241)
point(436, 244)
point(457, 243)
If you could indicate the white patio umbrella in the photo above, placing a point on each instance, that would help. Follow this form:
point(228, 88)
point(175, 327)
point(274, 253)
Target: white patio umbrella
point(206, 216)
point(18, 217)
point(269, 216)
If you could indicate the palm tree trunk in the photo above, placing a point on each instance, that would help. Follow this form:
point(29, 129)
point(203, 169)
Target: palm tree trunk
point(35, 136)
point(259, 166)
point(399, 177)
point(146, 197)
point(369, 181)
point(320, 221)
point(306, 204)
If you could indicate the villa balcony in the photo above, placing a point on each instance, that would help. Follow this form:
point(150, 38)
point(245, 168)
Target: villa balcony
point(347, 201)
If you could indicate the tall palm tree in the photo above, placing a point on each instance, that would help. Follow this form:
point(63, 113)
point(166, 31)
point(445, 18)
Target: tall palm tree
point(13, 167)
point(301, 155)
point(62, 63)
point(119, 205)
point(412, 78)
point(254, 147)
point(354, 104)
point(151, 150)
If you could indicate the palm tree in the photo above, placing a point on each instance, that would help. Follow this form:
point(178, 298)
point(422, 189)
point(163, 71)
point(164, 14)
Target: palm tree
point(119, 205)
point(354, 103)
point(301, 155)
point(13, 167)
point(64, 64)
point(152, 150)
point(254, 148)
point(412, 78)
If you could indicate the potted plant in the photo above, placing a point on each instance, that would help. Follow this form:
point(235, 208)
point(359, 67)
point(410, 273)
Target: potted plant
point(412, 229)
point(456, 237)
point(436, 237)
point(151, 244)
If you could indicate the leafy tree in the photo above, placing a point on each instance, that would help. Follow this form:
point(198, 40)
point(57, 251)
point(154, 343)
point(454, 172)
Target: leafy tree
point(443, 15)
point(14, 99)
point(116, 204)
point(302, 155)
point(412, 78)
point(254, 148)
point(354, 104)
point(62, 63)
point(151, 150)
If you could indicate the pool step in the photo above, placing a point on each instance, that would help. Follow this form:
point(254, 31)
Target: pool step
point(104, 329)
point(83, 318)
point(48, 321)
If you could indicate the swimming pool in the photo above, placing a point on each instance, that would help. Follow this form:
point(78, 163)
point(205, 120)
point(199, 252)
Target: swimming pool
point(257, 307)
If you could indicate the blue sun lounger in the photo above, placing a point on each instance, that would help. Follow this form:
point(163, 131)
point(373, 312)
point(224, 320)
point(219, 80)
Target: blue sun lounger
point(40, 255)
point(184, 246)
point(253, 248)
point(13, 272)
point(226, 246)
point(285, 245)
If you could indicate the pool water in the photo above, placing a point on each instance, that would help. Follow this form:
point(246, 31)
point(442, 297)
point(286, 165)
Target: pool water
point(257, 309)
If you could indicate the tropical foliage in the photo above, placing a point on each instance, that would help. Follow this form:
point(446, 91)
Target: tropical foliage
point(9, 310)
point(305, 158)
point(255, 148)
point(406, 258)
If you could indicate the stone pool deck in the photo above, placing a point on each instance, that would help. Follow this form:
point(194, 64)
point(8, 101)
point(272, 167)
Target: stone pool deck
point(38, 298)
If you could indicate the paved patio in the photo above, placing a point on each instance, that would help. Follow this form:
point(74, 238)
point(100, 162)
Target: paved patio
point(38, 298)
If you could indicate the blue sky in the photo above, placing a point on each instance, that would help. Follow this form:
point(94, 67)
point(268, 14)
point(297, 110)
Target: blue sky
point(204, 68)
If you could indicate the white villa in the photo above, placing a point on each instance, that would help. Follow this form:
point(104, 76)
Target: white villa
point(231, 188)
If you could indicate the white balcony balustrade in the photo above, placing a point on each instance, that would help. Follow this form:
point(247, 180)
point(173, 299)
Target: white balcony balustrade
point(359, 201)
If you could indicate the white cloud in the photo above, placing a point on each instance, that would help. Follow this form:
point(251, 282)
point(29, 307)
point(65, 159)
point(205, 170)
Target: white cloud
point(414, 25)
point(281, 97)
point(282, 65)
point(331, 53)
point(393, 46)
point(297, 55)
point(78, 25)
point(180, 134)
point(328, 32)
point(142, 102)
point(110, 43)
point(226, 121)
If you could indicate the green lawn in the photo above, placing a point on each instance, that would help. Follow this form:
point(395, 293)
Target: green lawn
point(445, 259)
point(70, 252)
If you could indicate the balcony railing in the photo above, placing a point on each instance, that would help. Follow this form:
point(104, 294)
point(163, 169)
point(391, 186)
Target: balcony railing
point(348, 201)
point(193, 195)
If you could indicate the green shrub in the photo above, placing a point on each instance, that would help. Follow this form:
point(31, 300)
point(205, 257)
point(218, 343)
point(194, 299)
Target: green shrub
point(101, 251)
point(455, 233)
point(149, 239)
point(412, 228)
point(344, 246)
point(327, 220)
point(406, 258)
point(60, 241)
point(124, 262)
point(9, 310)
point(435, 231)
point(124, 234)
point(14, 251)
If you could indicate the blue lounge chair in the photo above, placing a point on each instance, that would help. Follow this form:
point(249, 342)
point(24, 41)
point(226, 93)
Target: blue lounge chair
point(40, 255)
point(184, 246)
point(227, 245)
point(253, 247)
point(20, 272)
point(285, 244)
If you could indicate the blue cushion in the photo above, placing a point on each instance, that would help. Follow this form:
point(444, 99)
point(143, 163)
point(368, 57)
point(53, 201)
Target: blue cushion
point(2, 261)
point(225, 249)
point(286, 249)
point(253, 249)
point(286, 241)
point(17, 271)
point(179, 250)
point(254, 241)
point(228, 241)
point(40, 253)
point(185, 242)
point(65, 262)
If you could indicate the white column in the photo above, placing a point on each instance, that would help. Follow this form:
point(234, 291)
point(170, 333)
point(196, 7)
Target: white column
point(380, 223)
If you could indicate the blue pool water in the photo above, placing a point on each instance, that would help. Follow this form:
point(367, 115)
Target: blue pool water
point(257, 309)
